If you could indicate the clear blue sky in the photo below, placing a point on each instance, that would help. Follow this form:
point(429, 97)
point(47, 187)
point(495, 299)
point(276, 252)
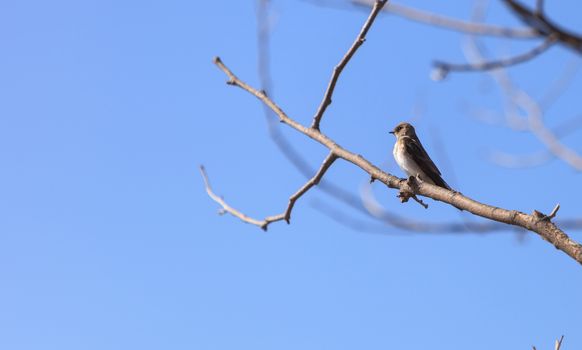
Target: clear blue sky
point(108, 240)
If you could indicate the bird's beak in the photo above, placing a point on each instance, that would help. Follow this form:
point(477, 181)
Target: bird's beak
point(392, 132)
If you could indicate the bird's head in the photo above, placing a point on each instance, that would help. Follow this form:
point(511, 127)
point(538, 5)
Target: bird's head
point(403, 129)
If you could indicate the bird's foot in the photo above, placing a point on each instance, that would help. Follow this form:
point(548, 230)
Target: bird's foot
point(408, 190)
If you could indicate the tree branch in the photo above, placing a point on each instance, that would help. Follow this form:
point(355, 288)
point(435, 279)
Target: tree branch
point(537, 20)
point(338, 69)
point(444, 67)
point(286, 215)
point(312, 182)
point(225, 208)
point(545, 228)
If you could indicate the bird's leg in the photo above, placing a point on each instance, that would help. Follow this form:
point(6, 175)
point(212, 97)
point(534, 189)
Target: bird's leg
point(408, 190)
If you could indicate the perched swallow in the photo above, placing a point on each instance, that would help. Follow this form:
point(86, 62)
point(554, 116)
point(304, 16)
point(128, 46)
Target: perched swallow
point(412, 158)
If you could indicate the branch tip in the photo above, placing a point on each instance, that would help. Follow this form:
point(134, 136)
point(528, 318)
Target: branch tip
point(542, 217)
point(554, 212)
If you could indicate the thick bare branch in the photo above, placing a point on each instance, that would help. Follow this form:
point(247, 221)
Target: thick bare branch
point(453, 24)
point(545, 228)
point(537, 21)
point(286, 215)
point(378, 212)
point(445, 67)
point(378, 5)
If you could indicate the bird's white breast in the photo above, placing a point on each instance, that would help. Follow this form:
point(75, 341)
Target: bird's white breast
point(405, 162)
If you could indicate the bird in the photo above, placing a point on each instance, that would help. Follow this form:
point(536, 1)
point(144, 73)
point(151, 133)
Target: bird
point(412, 157)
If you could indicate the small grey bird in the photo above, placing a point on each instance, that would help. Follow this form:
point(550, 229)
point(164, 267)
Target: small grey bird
point(412, 158)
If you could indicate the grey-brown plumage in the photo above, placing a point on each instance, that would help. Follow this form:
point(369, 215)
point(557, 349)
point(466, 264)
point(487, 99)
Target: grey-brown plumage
point(412, 157)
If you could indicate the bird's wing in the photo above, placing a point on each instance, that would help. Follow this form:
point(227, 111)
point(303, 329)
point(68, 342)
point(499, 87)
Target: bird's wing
point(418, 154)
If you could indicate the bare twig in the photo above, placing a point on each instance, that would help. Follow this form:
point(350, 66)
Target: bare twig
point(453, 24)
point(541, 216)
point(225, 208)
point(419, 201)
point(338, 69)
point(553, 213)
point(286, 215)
point(446, 67)
point(312, 182)
point(546, 229)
